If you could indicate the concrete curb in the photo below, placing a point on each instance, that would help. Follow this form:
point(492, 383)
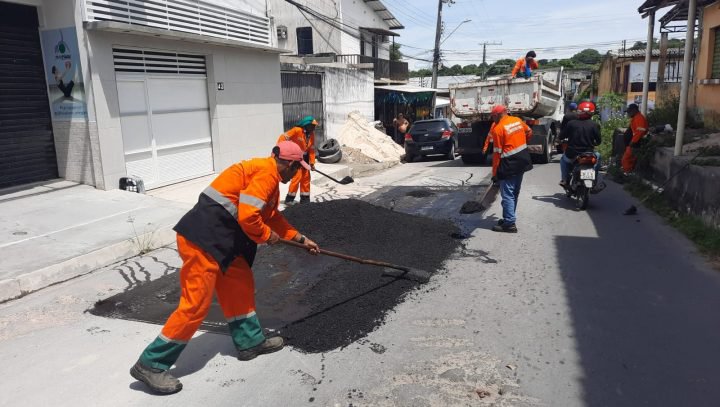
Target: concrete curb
point(11, 289)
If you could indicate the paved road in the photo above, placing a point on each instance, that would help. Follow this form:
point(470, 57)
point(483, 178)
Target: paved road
point(578, 309)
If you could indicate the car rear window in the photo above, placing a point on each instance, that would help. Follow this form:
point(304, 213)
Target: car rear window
point(429, 126)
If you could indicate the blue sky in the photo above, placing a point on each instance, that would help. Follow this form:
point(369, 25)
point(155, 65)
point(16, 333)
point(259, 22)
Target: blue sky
point(554, 28)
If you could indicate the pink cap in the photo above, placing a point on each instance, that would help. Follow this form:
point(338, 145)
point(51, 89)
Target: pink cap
point(292, 152)
point(499, 109)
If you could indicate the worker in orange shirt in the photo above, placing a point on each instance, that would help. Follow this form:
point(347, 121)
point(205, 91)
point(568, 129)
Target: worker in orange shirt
point(510, 137)
point(638, 128)
point(495, 155)
point(217, 241)
point(303, 134)
point(524, 66)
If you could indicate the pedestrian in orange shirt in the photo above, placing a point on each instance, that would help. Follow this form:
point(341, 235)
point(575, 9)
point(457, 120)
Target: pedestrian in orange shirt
point(217, 241)
point(510, 136)
point(303, 134)
point(638, 128)
point(524, 66)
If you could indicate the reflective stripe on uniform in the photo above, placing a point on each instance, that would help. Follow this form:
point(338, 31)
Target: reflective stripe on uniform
point(497, 150)
point(513, 151)
point(251, 200)
point(240, 317)
point(513, 127)
point(222, 200)
point(168, 340)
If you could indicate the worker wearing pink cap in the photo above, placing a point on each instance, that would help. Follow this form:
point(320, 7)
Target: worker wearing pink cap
point(217, 241)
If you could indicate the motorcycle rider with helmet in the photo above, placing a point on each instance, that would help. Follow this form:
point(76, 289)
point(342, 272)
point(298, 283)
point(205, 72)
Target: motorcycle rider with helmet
point(582, 136)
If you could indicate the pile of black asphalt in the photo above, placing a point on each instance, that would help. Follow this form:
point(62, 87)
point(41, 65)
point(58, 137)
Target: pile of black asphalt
point(318, 303)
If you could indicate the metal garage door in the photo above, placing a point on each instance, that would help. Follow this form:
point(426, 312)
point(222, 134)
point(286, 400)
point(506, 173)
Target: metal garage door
point(302, 96)
point(164, 114)
point(27, 148)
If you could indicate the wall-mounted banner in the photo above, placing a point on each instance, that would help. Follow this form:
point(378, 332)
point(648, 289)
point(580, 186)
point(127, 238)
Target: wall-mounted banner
point(64, 76)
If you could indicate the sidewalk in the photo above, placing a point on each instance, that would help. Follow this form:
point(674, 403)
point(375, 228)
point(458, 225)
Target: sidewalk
point(60, 230)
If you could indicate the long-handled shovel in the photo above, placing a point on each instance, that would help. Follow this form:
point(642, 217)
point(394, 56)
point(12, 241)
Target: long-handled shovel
point(408, 273)
point(346, 180)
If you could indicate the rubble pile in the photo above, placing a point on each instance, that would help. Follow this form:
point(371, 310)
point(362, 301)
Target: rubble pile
point(359, 134)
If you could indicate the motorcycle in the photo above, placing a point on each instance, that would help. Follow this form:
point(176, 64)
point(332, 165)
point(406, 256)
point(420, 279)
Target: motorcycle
point(583, 180)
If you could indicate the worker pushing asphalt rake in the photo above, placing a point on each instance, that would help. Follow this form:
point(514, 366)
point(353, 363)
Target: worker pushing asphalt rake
point(392, 270)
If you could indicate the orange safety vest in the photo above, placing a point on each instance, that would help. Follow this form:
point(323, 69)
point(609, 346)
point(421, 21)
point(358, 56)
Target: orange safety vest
point(520, 66)
point(639, 127)
point(305, 141)
point(237, 212)
point(510, 137)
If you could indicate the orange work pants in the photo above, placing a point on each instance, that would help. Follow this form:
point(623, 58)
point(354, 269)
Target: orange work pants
point(628, 160)
point(301, 179)
point(200, 277)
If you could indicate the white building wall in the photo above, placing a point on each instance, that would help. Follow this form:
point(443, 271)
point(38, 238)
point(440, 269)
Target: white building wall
point(345, 91)
point(325, 37)
point(76, 141)
point(246, 117)
point(357, 14)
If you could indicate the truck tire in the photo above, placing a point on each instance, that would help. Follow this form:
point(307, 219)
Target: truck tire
point(544, 158)
point(328, 148)
point(331, 159)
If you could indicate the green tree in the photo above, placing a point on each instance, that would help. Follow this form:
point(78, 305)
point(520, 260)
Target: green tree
point(587, 56)
point(456, 69)
point(501, 66)
point(420, 73)
point(471, 69)
point(395, 53)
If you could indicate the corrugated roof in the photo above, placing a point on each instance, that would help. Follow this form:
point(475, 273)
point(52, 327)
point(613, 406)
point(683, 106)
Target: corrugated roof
point(406, 88)
point(640, 53)
point(385, 14)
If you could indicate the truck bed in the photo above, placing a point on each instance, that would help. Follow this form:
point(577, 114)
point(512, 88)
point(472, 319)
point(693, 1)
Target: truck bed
point(536, 97)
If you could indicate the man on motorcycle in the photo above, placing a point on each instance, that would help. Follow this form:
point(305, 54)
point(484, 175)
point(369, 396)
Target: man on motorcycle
point(582, 136)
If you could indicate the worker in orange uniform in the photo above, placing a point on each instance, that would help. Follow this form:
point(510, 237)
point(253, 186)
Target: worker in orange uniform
point(638, 128)
point(303, 134)
point(495, 155)
point(510, 137)
point(524, 66)
point(217, 241)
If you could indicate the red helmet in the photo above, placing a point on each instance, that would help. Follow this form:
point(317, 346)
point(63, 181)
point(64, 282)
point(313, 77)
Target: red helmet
point(586, 107)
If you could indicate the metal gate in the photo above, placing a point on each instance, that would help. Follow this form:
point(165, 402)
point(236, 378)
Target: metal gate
point(27, 147)
point(302, 96)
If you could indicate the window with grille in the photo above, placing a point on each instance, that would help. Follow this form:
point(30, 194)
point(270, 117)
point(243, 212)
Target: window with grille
point(715, 70)
point(304, 40)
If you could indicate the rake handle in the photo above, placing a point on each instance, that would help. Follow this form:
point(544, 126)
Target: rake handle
point(345, 256)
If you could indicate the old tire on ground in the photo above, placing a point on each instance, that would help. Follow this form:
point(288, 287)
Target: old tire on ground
point(331, 159)
point(328, 148)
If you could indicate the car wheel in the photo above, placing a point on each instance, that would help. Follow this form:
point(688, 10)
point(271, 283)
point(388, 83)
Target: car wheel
point(331, 159)
point(451, 154)
point(328, 148)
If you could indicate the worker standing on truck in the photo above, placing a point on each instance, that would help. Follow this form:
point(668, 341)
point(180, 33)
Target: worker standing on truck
point(638, 129)
point(303, 134)
point(510, 137)
point(524, 66)
point(217, 241)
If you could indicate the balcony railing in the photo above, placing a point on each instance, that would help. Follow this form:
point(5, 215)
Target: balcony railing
point(188, 16)
point(384, 69)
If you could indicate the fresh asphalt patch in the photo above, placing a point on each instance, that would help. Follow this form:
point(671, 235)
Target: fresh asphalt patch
point(319, 303)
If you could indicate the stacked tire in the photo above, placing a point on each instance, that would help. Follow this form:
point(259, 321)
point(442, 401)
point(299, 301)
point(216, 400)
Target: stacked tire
point(329, 152)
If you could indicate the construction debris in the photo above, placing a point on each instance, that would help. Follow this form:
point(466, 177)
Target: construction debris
point(358, 133)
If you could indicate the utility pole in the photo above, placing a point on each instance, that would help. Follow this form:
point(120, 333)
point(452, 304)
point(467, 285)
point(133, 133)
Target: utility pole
point(485, 44)
point(438, 31)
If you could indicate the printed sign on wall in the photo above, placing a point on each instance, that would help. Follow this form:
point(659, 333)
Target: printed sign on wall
point(64, 75)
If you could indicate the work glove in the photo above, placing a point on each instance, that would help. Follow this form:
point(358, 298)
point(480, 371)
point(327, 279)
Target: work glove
point(494, 179)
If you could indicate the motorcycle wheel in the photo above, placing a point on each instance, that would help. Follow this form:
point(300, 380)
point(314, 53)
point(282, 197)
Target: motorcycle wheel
point(582, 197)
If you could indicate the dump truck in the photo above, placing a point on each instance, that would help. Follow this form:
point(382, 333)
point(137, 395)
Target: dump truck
point(539, 100)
